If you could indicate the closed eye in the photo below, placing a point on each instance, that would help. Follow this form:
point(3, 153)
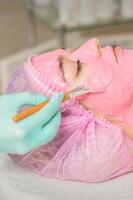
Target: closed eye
point(70, 70)
point(79, 67)
point(114, 52)
point(60, 59)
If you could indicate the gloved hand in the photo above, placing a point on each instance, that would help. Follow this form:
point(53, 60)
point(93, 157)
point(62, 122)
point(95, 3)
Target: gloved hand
point(31, 132)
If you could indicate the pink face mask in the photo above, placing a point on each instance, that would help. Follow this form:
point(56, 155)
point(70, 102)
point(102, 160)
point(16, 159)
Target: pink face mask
point(49, 65)
point(86, 148)
point(99, 71)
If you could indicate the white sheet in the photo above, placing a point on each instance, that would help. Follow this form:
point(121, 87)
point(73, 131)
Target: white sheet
point(19, 184)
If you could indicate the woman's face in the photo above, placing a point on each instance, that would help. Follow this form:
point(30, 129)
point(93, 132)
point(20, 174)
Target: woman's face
point(80, 67)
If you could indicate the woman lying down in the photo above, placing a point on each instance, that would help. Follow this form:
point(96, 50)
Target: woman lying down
point(95, 139)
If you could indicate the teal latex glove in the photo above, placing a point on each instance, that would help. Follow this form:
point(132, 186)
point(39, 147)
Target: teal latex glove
point(33, 131)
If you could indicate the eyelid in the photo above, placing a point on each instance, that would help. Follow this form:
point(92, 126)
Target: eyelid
point(79, 67)
point(60, 60)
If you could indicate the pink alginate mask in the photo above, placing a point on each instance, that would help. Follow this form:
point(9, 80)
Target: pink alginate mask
point(86, 148)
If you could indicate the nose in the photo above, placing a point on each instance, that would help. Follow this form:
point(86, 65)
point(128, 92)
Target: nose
point(96, 47)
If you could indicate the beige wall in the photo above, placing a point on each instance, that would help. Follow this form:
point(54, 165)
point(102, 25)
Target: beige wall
point(13, 28)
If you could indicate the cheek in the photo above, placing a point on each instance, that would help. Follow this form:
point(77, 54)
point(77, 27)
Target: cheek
point(77, 79)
